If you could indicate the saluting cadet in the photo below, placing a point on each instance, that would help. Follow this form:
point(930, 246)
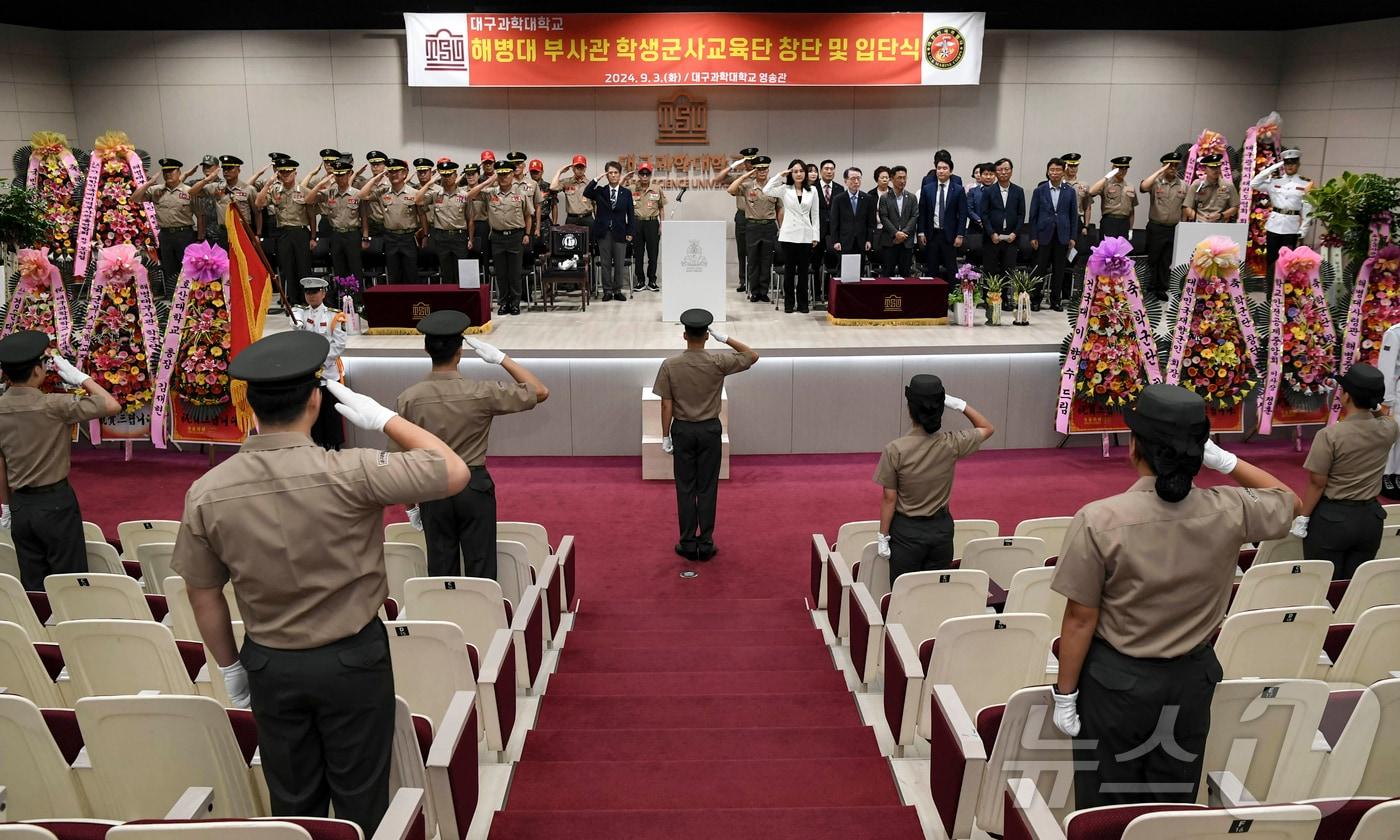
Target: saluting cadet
point(446, 202)
point(570, 180)
point(1342, 521)
point(508, 212)
point(1148, 575)
point(422, 173)
point(1118, 203)
point(174, 216)
point(1081, 192)
point(1288, 214)
point(547, 201)
point(399, 215)
point(916, 529)
point(478, 228)
point(42, 512)
point(226, 190)
point(1167, 200)
point(337, 199)
point(736, 170)
point(378, 162)
point(690, 386)
point(294, 225)
point(760, 227)
point(648, 203)
point(328, 159)
point(330, 323)
point(1212, 199)
point(460, 411)
point(204, 208)
point(299, 532)
point(535, 190)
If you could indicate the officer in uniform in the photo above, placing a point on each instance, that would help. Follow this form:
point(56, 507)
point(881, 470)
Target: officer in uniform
point(299, 532)
point(337, 199)
point(689, 386)
point(741, 245)
point(760, 226)
point(1148, 575)
point(399, 216)
point(374, 210)
point(1212, 199)
point(330, 323)
point(1342, 521)
point(478, 230)
point(460, 411)
point(544, 216)
point(204, 208)
point(648, 202)
point(1081, 192)
point(447, 204)
point(916, 529)
point(1118, 202)
point(1167, 193)
point(42, 512)
point(175, 217)
point(225, 189)
point(570, 180)
point(533, 189)
point(293, 225)
point(508, 212)
point(422, 173)
point(1288, 214)
point(328, 159)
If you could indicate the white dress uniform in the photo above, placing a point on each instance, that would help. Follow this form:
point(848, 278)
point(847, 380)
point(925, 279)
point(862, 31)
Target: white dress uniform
point(1288, 215)
point(330, 323)
point(1389, 366)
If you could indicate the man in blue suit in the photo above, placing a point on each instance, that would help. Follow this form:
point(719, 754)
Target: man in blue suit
point(942, 221)
point(1002, 208)
point(1054, 224)
point(614, 225)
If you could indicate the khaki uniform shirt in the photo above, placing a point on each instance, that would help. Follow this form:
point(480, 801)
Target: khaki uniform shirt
point(240, 195)
point(1352, 454)
point(757, 204)
point(509, 210)
point(459, 410)
point(1160, 572)
point(205, 204)
point(448, 211)
point(300, 533)
point(288, 205)
point(1117, 198)
point(648, 203)
point(919, 466)
point(396, 209)
point(34, 433)
point(1164, 207)
point(373, 209)
point(574, 202)
point(1210, 201)
point(693, 381)
point(342, 207)
point(174, 208)
point(1081, 201)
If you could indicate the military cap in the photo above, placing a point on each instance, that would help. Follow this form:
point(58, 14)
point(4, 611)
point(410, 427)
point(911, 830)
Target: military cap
point(286, 358)
point(286, 165)
point(422, 163)
point(1170, 413)
point(504, 166)
point(488, 155)
point(1122, 160)
point(761, 161)
point(697, 319)
point(311, 284)
point(230, 161)
point(644, 169)
point(580, 160)
point(1071, 158)
point(276, 156)
point(377, 156)
point(444, 322)
point(330, 155)
point(1364, 383)
point(750, 153)
point(536, 165)
point(342, 166)
point(396, 163)
point(1211, 160)
point(1170, 157)
point(925, 387)
point(1291, 154)
point(209, 160)
point(23, 347)
point(517, 157)
point(167, 164)
point(471, 168)
point(447, 166)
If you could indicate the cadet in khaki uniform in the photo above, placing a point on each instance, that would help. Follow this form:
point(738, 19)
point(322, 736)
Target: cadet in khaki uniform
point(760, 227)
point(1148, 575)
point(1212, 199)
point(299, 532)
point(1081, 192)
point(1164, 210)
point(648, 202)
point(508, 212)
point(1118, 200)
point(422, 173)
point(460, 411)
point(1342, 520)
point(41, 510)
point(174, 215)
point(225, 189)
point(916, 529)
point(689, 386)
point(337, 199)
point(399, 217)
point(570, 180)
point(447, 204)
point(378, 162)
point(736, 171)
point(294, 225)
point(478, 229)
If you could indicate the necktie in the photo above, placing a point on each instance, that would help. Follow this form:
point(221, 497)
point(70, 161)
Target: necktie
point(939, 217)
point(826, 193)
point(855, 202)
point(613, 197)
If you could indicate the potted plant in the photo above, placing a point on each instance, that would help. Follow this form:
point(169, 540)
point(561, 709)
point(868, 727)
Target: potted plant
point(991, 293)
point(1348, 207)
point(968, 295)
point(23, 221)
point(1024, 285)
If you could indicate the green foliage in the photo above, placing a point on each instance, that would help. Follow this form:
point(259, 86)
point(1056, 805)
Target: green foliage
point(22, 217)
point(1347, 206)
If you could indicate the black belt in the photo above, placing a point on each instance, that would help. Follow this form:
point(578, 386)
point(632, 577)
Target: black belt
point(1285, 212)
point(1115, 216)
point(36, 489)
point(508, 231)
point(407, 232)
point(173, 229)
point(1350, 502)
point(942, 513)
point(281, 228)
point(352, 230)
point(461, 231)
point(761, 221)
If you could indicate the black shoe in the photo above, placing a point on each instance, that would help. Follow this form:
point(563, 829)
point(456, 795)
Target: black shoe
point(637, 287)
point(652, 287)
point(804, 308)
point(1058, 307)
point(787, 310)
point(515, 310)
point(619, 296)
point(742, 288)
point(1035, 307)
point(503, 311)
point(764, 299)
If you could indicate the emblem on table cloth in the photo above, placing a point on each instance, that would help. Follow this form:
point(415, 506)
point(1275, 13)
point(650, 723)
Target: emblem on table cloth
point(445, 50)
point(894, 303)
point(421, 310)
point(682, 120)
point(694, 260)
point(945, 47)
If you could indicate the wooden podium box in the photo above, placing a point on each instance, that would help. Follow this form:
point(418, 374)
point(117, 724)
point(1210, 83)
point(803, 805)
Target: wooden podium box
point(657, 465)
point(396, 309)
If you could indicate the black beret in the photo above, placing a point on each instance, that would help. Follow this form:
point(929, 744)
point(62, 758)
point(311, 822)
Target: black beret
point(1364, 383)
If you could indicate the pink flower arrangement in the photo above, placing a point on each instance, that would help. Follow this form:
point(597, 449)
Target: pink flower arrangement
point(1380, 308)
point(119, 219)
point(1306, 340)
point(1216, 363)
point(117, 355)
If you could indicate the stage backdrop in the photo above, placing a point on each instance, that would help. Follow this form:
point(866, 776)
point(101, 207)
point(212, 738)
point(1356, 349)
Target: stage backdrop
point(683, 48)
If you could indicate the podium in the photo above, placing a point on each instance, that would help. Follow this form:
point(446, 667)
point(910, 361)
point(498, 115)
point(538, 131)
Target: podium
point(657, 465)
point(693, 265)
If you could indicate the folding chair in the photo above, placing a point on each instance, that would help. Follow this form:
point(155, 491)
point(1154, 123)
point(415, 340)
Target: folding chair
point(529, 534)
point(1363, 761)
point(83, 596)
point(92, 532)
point(513, 570)
point(1390, 542)
point(103, 559)
point(9, 560)
point(966, 530)
point(404, 532)
point(567, 591)
point(1372, 651)
point(1262, 731)
point(39, 783)
point(873, 571)
point(1002, 557)
point(1051, 529)
point(821, 555)
point(403, 561)
point(1287, 550)
point(154, 558)
point(22, 672)
point(1275, 644)
point(477, 606)
point(138, 532)
point(1376, 583)
point(1030, 592)
point(1379, 822)
point(403, 820)
point(1299, 584)
point(116, 657)
point(922, 601)
point(16, 607)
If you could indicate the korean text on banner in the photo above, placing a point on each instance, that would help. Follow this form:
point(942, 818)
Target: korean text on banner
point(683, 48)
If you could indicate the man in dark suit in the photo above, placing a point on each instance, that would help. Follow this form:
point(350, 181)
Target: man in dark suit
point(1002, 207)
point(942, 221)
point(899, 221)
point(1054, 224)
point(827, 189)
point(614, 225)
point(852, 228)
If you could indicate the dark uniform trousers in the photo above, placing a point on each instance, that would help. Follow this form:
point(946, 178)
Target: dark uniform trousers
point(345, 253)
point(463, 527)
point(1348, 533)
point(648, 242)
point(760, 241)
point(897, 260)
point(400, 256)
point(920, 543)
point(293, 259)
point(1144, 726)
point(47, 529)
point(1273, 242)
point(325, 720)
point(173, 242)
point(507, 255)
point(481, 239)
point(997, 259)
point(1160, 241)
point(741, 245)
point(451, 246)
point(696, 459)
point(328, 431)
point(1116, 226)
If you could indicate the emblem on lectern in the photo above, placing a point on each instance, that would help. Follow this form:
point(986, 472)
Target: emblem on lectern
point(421, 310)
point(694, 260)
point(894, 303)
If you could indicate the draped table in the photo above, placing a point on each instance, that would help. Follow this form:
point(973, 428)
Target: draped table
point(396, 309)
point(888, 301)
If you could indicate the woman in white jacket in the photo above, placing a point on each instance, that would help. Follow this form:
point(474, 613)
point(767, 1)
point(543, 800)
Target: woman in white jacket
point(800, 234)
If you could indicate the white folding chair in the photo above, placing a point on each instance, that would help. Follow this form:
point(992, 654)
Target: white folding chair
point(852, 537)
point(405, 533)
point(1375, 583)
point(1275, 644)
point(103, 559)
point(1372, 651)
point(1286, 550)
point(16, 607)
point(82, 596)
point(474, 604)
point(155, 558)
point(39, 783)
point(403, 561)
point(115, 657)
point(1002, 557)
point(1036, 821)
point(1302, 583)
point(22, 672)
point(513, 570)
point(1390, 542)
point(1364, 761)
point(92, 532)
point(1262, 731)
point(1019, 644)
point(1030, 592)
point(20, 831)
point(135, 533)
point(9, 560)
point(181, 615)
point(532, 535)
point(1051, 529)
point(966, 530)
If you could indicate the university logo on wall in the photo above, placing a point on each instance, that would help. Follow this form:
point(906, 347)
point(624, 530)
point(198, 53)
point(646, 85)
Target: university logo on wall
point(682, 120)
point(945, 47)
point(445, 50)
point(437, 49)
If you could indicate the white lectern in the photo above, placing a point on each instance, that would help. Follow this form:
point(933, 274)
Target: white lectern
point(693, 256)
point(1191, 234)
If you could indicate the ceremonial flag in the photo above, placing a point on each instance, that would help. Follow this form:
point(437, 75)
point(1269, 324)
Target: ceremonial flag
point(250, 289)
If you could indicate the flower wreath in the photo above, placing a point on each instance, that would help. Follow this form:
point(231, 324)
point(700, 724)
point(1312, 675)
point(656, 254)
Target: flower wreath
point(120, 331)
point(53, 170)
point(109, 216)
point(1214, 347)
point(40, 302)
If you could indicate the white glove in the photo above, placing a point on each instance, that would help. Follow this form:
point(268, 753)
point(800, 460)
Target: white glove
point(1274, 167)
point(1300, 527)
point(490, 355)
point(415, 518)
point(1218, 459)
point(667, 446)
point(5, 517)
point(882, 545)
point(362, 412)
point(952, 402)
point(68, 372)
point(1111, 173)
point(568, 265)
point(236, 684)
point(1067, 712)
point(719, 336)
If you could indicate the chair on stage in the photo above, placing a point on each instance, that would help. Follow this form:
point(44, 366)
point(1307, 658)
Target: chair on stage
point(1051, 529)
point(1302, 583)
point(1002, 557)
point(1272, 644)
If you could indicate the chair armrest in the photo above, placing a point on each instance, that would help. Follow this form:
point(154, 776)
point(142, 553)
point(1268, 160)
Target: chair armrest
point(452, 730)
point(451, 767)
point(1025, 805)
point(405, 809)
point(969, 742)
point(528, 625)
point(2, 800)
point(82, 761)
point(1226, 790)
point(867, 632)
point(195, 803)
point(496, 690)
